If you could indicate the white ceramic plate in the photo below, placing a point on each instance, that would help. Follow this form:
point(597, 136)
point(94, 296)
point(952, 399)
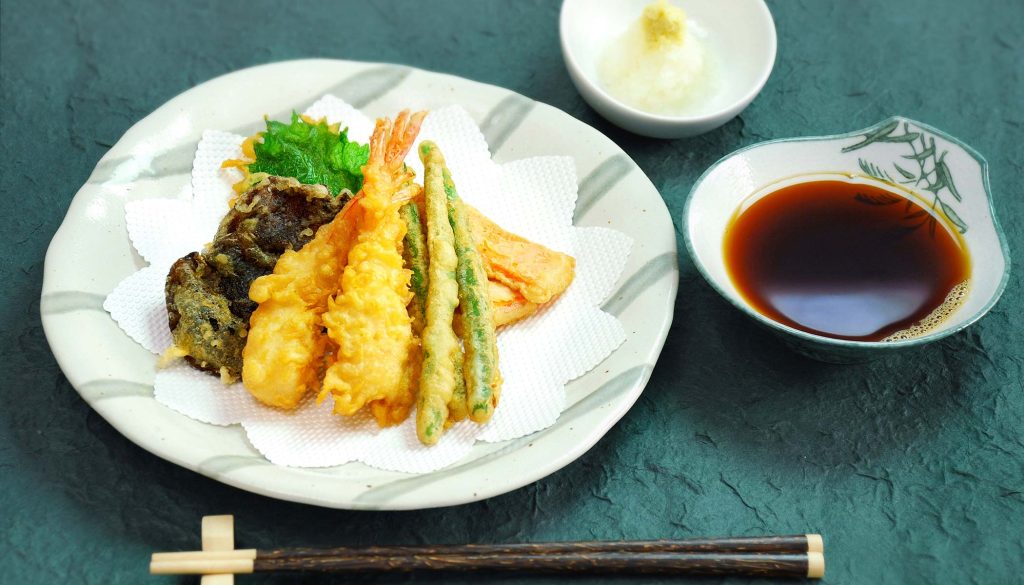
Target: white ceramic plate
point(91, 253)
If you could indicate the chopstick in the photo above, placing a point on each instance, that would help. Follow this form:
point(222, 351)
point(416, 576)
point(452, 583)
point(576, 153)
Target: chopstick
point(748, 544)
point(646, 562)
point(774, 556)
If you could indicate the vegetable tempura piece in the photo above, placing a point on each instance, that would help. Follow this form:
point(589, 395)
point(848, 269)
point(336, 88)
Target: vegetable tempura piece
point(483, 378)
point(376, 355)
point(508, 306)
point(441, 352)
point(515, 266)
point(314, 152)
point(537, 273)
point(414, 252)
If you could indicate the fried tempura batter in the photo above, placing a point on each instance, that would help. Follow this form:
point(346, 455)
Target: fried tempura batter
point(283, 358)
point(523, 275)
point(507, 305)
point(333, 315)
point(377, 362)
point(208, 306)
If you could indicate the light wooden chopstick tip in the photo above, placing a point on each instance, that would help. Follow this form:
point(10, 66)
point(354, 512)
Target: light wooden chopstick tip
point(815, 565)
point(205, 555)
point(200, 566)
point(815, 543)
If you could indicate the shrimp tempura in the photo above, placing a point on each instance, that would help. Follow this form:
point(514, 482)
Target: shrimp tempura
point(376, 362)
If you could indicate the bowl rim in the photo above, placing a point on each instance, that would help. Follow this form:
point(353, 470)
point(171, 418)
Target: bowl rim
point(628, 110)
point(845, 343)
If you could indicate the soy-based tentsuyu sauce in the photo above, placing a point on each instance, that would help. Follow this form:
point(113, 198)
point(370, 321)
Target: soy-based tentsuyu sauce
point(846, 260)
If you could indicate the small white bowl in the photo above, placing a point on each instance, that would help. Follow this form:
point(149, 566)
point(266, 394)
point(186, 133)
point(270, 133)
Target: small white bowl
point(741, 33)
point(898, 154)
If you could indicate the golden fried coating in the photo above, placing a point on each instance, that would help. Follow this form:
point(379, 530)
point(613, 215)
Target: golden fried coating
point(507, 305)
point(480, 340)
point(283, 356)
point(334, 315)
point(377, 361)
point(523, 275)
point(439, 378)
point(207, 293)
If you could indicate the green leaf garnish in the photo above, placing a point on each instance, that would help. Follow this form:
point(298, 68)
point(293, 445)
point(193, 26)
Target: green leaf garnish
point(312, 153)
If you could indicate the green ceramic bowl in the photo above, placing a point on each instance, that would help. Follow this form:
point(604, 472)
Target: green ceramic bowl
point(897, 154)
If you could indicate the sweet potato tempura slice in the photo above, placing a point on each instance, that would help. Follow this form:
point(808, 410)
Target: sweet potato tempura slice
point(508, 306)
point(538, 274)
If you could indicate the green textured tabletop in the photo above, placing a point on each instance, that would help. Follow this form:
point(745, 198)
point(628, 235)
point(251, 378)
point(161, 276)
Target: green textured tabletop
point(912, 468)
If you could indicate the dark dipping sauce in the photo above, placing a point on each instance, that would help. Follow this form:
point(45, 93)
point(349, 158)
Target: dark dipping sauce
point(845, 260)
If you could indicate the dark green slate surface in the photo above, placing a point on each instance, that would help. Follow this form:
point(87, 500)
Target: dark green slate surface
point(912, 468)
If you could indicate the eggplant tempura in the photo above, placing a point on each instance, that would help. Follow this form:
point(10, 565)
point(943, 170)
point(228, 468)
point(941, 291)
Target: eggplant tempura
point(207, 293)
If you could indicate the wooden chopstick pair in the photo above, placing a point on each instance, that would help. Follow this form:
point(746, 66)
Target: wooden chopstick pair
point(800, 556)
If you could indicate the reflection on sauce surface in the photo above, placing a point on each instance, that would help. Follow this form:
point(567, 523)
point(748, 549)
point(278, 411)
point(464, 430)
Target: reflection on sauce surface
point(844, 260)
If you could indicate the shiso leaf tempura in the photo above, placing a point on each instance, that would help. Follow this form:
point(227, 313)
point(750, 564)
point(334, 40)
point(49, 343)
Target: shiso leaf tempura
point(312, 151)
